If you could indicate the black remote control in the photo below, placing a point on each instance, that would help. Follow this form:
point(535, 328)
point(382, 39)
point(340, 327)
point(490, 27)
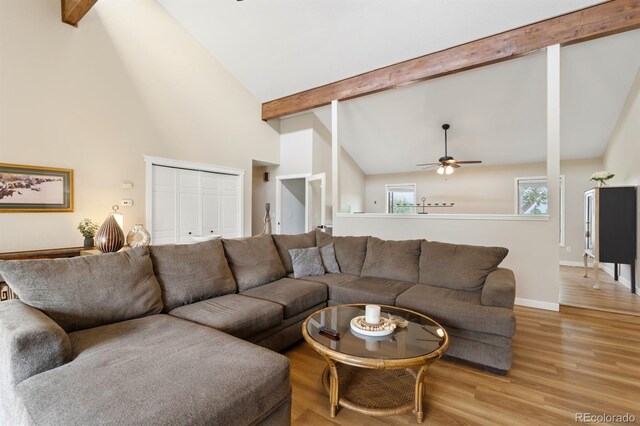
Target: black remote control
point(329, 332)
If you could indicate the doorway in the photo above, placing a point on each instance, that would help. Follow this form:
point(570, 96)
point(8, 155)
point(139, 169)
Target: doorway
point(300, 203)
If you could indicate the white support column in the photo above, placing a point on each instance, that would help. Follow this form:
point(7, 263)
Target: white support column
point(553, 145)
point(335, 161)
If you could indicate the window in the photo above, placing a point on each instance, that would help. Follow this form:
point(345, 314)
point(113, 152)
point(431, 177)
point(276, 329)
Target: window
point(531, 198)
point(400, 197)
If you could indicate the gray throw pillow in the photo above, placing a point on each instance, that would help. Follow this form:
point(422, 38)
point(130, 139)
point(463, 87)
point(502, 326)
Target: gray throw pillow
point(87, 291)
point(188, 273)
point(306, 262)
point(328, 255)
point(286, 242)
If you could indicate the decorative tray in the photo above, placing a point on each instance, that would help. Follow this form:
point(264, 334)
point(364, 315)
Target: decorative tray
point(385, 327)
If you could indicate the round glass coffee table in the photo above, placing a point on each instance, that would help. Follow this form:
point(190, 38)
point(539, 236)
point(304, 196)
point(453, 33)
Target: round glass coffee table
point(378, 376)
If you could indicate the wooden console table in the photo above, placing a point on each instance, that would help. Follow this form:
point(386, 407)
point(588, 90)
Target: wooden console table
point(5, 290)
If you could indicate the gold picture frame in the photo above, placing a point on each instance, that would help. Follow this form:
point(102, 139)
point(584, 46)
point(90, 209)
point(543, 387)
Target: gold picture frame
point(32, 189)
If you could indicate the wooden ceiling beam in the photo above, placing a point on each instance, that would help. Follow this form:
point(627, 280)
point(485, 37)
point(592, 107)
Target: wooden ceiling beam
point(74, 10)
point(593, 22)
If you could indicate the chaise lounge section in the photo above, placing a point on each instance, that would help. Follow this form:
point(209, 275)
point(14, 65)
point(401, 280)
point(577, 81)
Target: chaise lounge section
point(190, 333)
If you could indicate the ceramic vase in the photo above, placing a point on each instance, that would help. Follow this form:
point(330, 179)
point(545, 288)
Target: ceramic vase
point(109, 237)
point(138, 237)
point(88, 242)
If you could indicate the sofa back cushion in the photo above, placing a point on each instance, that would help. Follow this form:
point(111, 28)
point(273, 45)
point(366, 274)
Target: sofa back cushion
point(395, 260)
point(87, 291)
point(254, 261)
point(284, 243)
point(188, 273)
point(350, 251)
point(458, 266)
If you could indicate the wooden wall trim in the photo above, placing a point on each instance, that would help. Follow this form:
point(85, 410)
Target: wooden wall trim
point(593, 22)
point(74, 10)
point(42, 254)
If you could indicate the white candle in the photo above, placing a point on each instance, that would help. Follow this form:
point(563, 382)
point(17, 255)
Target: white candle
point(372, 314)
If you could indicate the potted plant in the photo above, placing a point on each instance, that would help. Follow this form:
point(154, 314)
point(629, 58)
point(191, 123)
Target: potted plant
point(602, 177)
point(88, 230)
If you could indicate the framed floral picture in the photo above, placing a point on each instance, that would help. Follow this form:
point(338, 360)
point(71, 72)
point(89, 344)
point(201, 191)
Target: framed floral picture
point(35, 189)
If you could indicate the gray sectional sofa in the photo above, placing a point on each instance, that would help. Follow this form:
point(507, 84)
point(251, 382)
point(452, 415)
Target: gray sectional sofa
point(189, 334)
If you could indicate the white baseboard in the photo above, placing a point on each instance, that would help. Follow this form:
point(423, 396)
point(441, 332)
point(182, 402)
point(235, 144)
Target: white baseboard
point(574, 263)
point(548, 306)
point(622, 280)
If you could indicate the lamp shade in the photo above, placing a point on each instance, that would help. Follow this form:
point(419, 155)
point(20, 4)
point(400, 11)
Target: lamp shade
point(109, 237)
point(440, 170)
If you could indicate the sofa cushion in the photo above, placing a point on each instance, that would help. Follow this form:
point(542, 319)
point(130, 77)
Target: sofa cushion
point(329, 261)
point(458, 266)
point(158, 370)
point(395, 260)
point(332, 279)
point(368, 290)
point(294, 295)
point(284, 243)
point(235, 314)
point(188, 273)
point(459, 309)
point(306, 262)
point(254, 261)
point(87, 291)
point(350, 251)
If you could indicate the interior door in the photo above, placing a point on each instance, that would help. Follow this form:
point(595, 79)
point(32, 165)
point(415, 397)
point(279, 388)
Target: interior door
point(229, 212)
point(164, 205)
point(211, 204)
point(316, 201)
point(188, 205)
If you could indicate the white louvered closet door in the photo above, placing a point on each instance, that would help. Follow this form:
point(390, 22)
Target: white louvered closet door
point(192, 202)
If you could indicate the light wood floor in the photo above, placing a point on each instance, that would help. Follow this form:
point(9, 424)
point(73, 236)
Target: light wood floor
point(563, 363)
point(578, 292)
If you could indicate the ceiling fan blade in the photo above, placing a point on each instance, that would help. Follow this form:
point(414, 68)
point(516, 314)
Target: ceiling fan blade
point(428, 164)
point(469, 162)
point(455, 165)
point(431, 166)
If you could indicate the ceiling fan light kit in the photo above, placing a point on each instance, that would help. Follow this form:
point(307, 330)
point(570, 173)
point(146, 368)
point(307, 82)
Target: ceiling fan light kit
point(447, 164)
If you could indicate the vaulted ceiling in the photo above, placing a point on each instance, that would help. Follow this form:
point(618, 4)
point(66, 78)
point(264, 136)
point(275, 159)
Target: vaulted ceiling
point(497, 113)
point(279, 47)
point(276, 48)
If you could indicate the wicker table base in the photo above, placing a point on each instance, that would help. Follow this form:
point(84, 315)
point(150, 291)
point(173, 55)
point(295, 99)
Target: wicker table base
point(374, 392)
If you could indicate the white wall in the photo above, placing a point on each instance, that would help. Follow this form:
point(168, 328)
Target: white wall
point(129, 81)
point(322, 162)
point(293, 206)
point(623, 152)
point(487, 190)
point(296, 145)
point(352, 184)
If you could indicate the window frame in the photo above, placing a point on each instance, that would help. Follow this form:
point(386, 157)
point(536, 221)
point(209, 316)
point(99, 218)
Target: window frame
point(389, 188)
point(516, 201)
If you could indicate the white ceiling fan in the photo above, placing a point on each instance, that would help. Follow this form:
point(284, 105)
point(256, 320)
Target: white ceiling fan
point(447, 164)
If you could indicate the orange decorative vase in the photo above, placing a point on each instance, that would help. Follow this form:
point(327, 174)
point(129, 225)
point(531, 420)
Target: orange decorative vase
point(109, 237)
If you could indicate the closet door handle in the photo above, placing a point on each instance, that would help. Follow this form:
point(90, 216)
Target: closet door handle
point(189, 232)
